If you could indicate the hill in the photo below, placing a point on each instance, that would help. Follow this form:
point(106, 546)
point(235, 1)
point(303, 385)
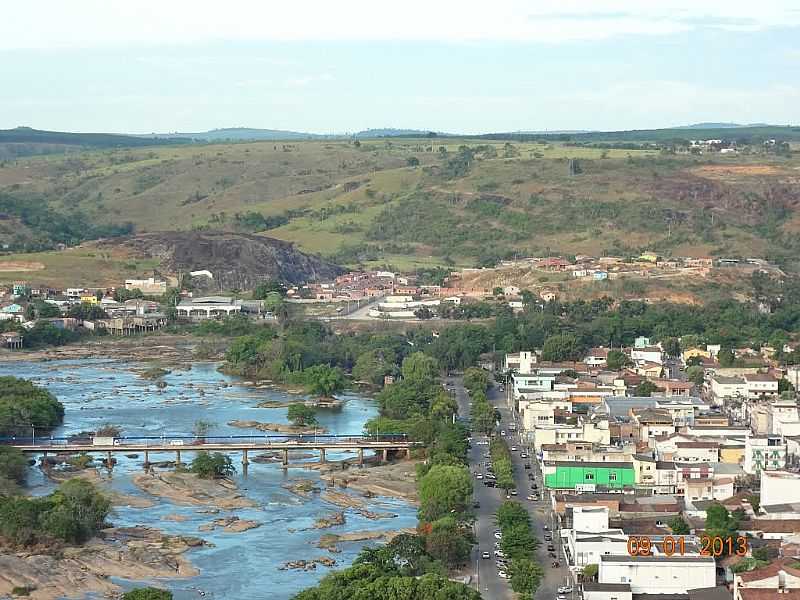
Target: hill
point(238, 134)
point(417, 202)
point(237, 261)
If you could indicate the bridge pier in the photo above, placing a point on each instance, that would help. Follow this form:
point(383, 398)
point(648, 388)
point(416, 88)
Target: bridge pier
point(360, 457)
point(322, 456)
point(109, 461)
point(146, 459)
point(384, 455)
point(245, 462)
point(177, 459)
point(285, 457)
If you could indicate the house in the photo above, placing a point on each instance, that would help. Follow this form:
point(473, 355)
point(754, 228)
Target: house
point(11, 339)
point(666, 574)
point(779, 579)
point(764, 452)
point(149, 287)
point(89, 299)
point(779, 487)
point(590, 537)
point(584, 430)
point(600, 275)
point(724, 388)
point(673, 387)
point(760, 384)
point(597, 357)
point(652, 354)
point(648, 369)
point(690, 353)
point(208, 307)
point(652, 423)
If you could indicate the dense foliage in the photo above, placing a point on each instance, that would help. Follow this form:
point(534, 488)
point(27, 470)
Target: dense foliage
point(301, 415)
point(519, 544)
point(212, 466)
point(73, 513)
point(148, 593)
point(24, 405)
point(13, 466)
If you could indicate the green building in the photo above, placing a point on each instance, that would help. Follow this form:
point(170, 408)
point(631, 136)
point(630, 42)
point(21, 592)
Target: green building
point(588, 475)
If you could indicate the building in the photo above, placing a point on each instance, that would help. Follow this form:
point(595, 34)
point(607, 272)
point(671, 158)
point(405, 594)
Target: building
point(652, 354)
point(149, 287)
point(597, 357)
point(584, 430)
point(521, 362)
point(779, 487)
point(760, 384)
point(723, 388)
point(767, 452)
point(588, 476)
point(208, 307)
point(779, 579)
point(658, 574)
point(12, 340)
point(589, 538)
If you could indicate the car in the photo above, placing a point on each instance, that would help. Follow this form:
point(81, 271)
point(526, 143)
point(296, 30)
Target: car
point(499, 554)
point(561, 597)
point(476, 505)
point(548, 538)
point(555, 564)
point(531, 475)
point(532, 498)
point(498, 535)
point(527, 466)
point(551, 554)
point(523, 455)
point(479, 476)
point(546, 528)
point(501, 565)
point(513, 448)
point(513, 492)
point(565, 589)
point(486, 555)
point(489, 483)
point(551, 548)
point(502, 575)
point(502, 433)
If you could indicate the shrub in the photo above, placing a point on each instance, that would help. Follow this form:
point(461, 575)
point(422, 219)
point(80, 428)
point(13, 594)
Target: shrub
point(212, 466)
point(148, 593)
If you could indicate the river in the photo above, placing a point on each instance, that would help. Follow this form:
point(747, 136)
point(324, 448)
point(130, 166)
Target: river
point(239, 565)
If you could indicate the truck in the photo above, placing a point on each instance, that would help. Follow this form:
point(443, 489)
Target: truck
point(105, 441)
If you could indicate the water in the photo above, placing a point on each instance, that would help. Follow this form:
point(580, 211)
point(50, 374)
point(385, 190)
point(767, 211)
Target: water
point(240, 565)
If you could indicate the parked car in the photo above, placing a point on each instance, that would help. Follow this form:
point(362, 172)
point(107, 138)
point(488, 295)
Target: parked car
point(551, 548)
point(502, 575)
point(499, 553)
point(546, 528)
point(533, 498)
point(498, 535)
point(513, 448)
point(513, 492)
point(548, 538)
point(565, 589)
point(479, 476)
point(555, 564)
point(486, 555)
point(551, 554)
point(476, 505)
point(527, 466)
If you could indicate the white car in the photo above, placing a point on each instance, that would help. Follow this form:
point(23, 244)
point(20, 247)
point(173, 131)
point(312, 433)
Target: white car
point(498, 535)
point(502, 433)
point(561, 597)
point(499, 554)
point(479, 476)
point(513, 448)
point(502, 574)
point(565, 590)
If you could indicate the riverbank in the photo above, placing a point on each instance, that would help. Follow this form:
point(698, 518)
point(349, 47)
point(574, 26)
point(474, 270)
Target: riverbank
point(133, 553)
point(395, 480)
point(278, 427)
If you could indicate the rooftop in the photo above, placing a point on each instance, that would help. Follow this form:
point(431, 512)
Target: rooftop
point(624, 558)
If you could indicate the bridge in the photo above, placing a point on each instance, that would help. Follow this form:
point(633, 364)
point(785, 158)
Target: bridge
point(380, 444)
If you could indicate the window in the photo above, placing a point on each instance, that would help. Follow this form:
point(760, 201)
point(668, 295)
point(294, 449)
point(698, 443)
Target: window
point(612, 476)
point(589, 476)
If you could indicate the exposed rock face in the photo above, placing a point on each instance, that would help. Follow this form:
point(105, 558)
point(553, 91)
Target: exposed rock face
point(237, 260)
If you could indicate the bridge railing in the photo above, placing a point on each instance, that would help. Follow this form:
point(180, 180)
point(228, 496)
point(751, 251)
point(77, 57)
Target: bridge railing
point(183, 439)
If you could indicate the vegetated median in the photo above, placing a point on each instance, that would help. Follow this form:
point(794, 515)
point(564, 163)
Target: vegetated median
point(519, 544)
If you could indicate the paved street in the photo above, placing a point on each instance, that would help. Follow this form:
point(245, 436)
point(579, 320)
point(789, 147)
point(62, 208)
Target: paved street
point(490, 585)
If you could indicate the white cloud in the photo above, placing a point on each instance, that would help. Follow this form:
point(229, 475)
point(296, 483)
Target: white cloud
point(93, 23)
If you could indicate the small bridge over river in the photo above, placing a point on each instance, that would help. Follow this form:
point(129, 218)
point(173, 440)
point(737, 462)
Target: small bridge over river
point(381, 445)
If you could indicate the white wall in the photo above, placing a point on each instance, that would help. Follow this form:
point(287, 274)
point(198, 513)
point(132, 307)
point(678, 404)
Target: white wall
point(664, 575)
point(779, 487)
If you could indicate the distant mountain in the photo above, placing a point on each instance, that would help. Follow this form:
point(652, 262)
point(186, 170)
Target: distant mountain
point(390, 132)
point(238, 134)
point(721, 125)
point(27, 135)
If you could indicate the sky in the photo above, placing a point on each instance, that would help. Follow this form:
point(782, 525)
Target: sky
point(460, 66)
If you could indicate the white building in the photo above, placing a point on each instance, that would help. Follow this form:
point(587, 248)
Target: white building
point(521, 362)
point(783, 418)
point(779, 487)
point(652, 354)
point(149, 287)
point(723, 388)
point(586, 431)
point(531, 385)
point(760, 384)
point(764, 452)
point(538, 412)
point(658, 574)
point(590, 538)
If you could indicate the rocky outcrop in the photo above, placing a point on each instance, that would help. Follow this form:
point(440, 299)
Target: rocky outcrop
point(277, 427)
point(237, 260)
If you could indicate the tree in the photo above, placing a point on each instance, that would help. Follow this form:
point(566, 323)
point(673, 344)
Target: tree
point(590, 572)
point(76, 513)
point(678, 526)
point(672, 347)
point(324, 380)
point(212, 466)
point(696, 375)
point(444, 489)
point(412, 161)
point(419, 368)
point(148, 593)
point(476, 379)
point(13, 464)
point(645, 388)
point(201, 428)
point(265, 288)
point(561, 347)
point(373, 365)
point(525, 576)
point(617, 360)
point(24, 405)
point(725, 357)
point(448, 542)
point(443, 406)
point(301, 415)
point(720, 523)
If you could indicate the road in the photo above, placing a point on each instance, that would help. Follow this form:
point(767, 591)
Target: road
point(490, 585)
